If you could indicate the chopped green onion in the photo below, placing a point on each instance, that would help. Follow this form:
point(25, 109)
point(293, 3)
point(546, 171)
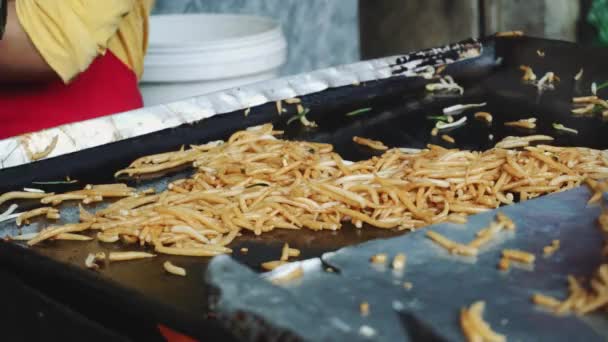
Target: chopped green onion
point(443, 125)
point(602, 85)
point(561, 127)
point(359, 111)
point(447, 118)
point(73, 181)
point(302, 117)
point(297, 117)
point(597, 109)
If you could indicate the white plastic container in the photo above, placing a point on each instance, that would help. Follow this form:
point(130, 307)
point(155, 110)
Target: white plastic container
point(195, 54)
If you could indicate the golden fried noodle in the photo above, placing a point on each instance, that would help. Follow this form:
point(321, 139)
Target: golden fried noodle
point(256, 183)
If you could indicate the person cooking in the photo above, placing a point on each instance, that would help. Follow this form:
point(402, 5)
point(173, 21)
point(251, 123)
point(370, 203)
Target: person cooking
point(63, 61)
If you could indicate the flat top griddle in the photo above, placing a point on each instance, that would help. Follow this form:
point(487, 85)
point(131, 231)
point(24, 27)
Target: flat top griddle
point(324, 305)
point(400, 106)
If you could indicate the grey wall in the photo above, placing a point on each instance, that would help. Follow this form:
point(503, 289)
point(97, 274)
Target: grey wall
point(320, 33)
point(391, 27)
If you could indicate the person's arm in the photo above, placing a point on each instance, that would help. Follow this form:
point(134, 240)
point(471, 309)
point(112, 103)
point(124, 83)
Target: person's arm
point(20, 61)
point(2, 17)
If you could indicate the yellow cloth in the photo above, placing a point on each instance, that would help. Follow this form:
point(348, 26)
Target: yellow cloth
point(69, 34)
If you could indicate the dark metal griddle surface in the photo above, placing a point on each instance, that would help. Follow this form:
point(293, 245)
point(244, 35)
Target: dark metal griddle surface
point(324, 306)
point(398, 118)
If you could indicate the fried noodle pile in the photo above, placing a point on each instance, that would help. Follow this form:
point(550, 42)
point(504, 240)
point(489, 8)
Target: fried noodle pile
point(256, 182)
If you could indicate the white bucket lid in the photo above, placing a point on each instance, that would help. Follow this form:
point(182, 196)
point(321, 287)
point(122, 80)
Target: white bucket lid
point(196, 47)
point(191, 32)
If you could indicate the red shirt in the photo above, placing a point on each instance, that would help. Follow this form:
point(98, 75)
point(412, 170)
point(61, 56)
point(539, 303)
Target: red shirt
point(106, 87)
